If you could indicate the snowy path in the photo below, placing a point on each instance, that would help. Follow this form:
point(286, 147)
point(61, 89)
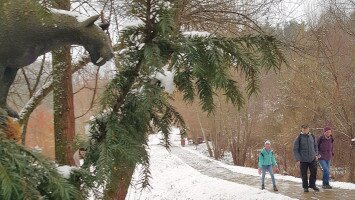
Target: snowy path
point(292, 189)
point(172, 179)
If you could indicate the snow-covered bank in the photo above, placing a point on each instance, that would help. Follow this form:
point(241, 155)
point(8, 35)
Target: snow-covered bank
point(172, 179)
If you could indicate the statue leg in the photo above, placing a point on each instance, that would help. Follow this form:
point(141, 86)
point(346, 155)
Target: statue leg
point(7, 77)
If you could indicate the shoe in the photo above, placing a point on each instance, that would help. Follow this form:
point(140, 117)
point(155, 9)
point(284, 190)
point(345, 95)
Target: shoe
point(275, 189)
point(305, 190)
point(262, 187)
point(315, 188)
point(327, 187)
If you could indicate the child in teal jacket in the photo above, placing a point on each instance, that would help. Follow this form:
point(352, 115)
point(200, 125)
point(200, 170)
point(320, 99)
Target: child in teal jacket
point(266, 162)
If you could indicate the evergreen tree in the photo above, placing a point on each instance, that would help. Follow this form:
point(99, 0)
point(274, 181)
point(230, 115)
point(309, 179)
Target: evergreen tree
point(25, 174)
point(134, 98)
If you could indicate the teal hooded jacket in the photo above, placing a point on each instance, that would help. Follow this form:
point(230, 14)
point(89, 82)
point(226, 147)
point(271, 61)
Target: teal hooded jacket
point(266, 158)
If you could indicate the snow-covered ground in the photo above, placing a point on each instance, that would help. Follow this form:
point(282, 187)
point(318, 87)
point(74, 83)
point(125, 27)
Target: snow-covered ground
point(174, 179)
point(202, 152)
point(254, 172)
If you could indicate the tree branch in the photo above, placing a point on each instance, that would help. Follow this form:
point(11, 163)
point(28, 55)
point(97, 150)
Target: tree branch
point(36, 99)
point(125, 91)
point(93, 95)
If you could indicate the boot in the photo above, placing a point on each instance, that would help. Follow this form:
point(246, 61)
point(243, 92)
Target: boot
point(315, 188)
point(275, 188)
point(262, 187)
point(327, 187)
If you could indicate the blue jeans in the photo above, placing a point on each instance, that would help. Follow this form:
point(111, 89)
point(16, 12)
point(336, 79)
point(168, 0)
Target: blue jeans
point(326, 167)
point(268, 168)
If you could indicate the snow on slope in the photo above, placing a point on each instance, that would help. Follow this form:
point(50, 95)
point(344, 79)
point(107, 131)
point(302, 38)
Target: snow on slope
point(172, 179)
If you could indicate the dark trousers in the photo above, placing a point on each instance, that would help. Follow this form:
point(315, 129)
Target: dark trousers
point(312, 166)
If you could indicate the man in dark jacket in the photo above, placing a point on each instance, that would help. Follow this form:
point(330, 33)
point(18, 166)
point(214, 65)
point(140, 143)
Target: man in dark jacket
point(305, 150)
point(325, 148)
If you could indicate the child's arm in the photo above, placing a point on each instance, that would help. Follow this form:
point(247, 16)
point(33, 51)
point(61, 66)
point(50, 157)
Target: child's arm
point(260, 163)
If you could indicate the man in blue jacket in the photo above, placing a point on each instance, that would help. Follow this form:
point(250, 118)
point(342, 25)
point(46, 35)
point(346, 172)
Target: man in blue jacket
point(305, 151)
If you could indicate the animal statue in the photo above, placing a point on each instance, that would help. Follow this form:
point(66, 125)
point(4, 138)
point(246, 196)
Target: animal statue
point(28, 30)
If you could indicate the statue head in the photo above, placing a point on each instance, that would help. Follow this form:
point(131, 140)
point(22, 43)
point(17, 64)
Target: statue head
point(96, 41)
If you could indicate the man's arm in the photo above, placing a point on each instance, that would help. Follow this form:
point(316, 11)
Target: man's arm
point(315, 146)
point(318, 142)
point(296, 147)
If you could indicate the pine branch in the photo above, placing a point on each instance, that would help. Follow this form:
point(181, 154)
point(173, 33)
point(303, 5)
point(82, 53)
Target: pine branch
point(41, 178)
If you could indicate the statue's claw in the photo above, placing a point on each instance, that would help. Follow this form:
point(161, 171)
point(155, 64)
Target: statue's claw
point(11, 112)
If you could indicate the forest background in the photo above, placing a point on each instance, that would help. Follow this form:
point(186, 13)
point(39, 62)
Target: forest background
point(316, 87)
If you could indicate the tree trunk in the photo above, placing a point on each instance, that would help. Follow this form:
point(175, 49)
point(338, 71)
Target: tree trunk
point(235, 138)
point(119, 184)
point(64, 120)
point(215, 141)
point(204, 135)
point(352, 155)
point(233, 147)
point(239, 136)
point(352, 162)
point(285, 158)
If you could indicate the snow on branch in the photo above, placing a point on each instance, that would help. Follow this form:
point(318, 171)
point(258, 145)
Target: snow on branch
point(36, 99)
point(78, 17)
point(196, 33)
point(65, 170)
point(166, 79)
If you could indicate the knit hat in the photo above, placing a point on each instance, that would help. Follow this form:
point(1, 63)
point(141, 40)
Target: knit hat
point(305, 126)
point(267, 142)
point(327, 128)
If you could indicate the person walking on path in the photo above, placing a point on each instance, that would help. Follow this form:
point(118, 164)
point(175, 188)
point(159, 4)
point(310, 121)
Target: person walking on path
point(325, 149)
point(305, 151)
point(266, 162)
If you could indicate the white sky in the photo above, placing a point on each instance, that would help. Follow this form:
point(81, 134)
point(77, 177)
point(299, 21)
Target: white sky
point(299, 10)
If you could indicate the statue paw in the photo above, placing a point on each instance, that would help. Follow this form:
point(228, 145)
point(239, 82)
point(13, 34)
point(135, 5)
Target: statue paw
point(11, 113)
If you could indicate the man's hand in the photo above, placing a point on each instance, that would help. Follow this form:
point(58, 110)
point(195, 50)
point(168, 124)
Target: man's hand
point(277, 170)
point(298, 163)
point(259, 171)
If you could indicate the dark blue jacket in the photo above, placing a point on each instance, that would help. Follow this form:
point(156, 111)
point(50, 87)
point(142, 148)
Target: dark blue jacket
point(305, 148)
